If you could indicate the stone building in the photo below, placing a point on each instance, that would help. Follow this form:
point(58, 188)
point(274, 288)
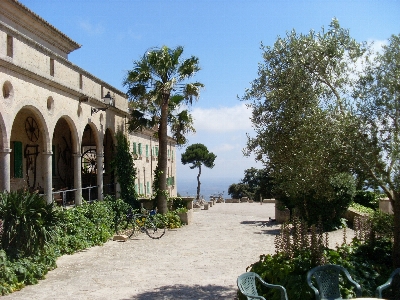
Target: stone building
point(58, 121)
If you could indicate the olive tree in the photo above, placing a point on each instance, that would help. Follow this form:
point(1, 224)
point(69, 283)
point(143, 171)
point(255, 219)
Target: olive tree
point(323, 107)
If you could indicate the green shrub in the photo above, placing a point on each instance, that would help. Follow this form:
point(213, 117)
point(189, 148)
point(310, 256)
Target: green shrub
point(119, 208)
point(16, 273)
point(367, 262)
point(85, 226)
point(360, 208)
point(329, 206)
point(28, 223)
point(170, 219)
point(368, 199)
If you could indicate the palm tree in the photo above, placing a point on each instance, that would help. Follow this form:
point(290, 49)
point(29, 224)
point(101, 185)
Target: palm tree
point(158, 90)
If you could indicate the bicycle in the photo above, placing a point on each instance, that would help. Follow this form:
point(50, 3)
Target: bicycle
point(147, 222)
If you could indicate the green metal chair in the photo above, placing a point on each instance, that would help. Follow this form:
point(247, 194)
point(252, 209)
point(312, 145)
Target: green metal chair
point(327, 279)
point(247, 286)
point(388, 284)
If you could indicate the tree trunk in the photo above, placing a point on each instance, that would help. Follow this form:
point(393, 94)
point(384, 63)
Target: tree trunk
point(198, 183)
point(162, 158)
point(396, 232)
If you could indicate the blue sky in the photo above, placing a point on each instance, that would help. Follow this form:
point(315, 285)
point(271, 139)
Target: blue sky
point(224, 34)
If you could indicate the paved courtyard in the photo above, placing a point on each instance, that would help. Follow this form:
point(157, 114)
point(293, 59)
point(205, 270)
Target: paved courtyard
point(199, 261)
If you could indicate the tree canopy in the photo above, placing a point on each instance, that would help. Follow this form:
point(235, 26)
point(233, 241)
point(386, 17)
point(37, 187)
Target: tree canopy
point(198, 155)
point(159, 95)
point(324, 106)
point(256, 184)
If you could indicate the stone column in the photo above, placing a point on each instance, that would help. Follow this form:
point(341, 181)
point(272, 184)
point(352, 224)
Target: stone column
point(5, 169)
point(78, 178)
point(100, 170)
point(48, 176)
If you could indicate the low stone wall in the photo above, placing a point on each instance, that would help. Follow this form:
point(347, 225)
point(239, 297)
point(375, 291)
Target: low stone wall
point(268, 200)
point(351, 213)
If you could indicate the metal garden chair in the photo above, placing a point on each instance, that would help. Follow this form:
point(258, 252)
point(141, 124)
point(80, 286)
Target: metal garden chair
point(247, 286)
point(327, 279)
point(390, 284)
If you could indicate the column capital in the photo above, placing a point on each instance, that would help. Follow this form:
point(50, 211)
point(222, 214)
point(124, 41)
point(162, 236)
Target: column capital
point(49, 152)
point(5, 150)
point(76, 154)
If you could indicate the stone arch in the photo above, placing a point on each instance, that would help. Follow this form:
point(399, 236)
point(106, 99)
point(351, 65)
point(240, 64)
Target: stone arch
point(29, 142)
point(91, 146)
point(3, 134)
point(65, 143)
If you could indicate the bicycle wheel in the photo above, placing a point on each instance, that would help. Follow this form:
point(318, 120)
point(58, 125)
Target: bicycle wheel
point(154, 229)
point(125, 226)
point(134, 229)
point(121, 225)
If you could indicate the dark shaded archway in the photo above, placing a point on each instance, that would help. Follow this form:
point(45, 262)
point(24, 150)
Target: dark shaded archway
point(89, 163)
point(108, 175)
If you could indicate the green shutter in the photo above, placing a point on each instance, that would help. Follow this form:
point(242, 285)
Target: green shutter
point(148, 187)
point(147, 150)
point(156, 151)
point(140, 148)
point(134, 148)
point(18, 162)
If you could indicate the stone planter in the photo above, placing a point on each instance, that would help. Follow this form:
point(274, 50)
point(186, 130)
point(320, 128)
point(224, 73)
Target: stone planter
point(205, 206)
point(244, 199)
point(146, 203)
point(385, 206)
point(282, 213)
point(186, 217)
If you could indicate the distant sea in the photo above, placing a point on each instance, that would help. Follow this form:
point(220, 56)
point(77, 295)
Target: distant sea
point(209, 186)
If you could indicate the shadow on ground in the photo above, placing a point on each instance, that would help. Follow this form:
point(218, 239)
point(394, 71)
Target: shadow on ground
point(180, 291)
point(266, 227)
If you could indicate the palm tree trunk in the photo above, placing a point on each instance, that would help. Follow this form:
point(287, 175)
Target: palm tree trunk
point(162, 158)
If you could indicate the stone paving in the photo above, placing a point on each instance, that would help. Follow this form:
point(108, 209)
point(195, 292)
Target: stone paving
point(198, 261)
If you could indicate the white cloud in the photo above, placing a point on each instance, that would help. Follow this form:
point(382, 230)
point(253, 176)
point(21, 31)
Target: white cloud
point(222, 119)
point(91, 29)
point(377, 45)
point(223, 148)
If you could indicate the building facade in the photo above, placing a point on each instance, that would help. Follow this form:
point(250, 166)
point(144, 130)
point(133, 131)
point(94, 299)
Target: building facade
point(57, 123)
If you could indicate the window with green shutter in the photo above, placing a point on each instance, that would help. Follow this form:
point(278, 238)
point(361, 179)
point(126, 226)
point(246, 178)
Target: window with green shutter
point(140, 148)
point(156, 151)
point(147, 150)
point(18, 160)
point(134, 148)
point(148, 187)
